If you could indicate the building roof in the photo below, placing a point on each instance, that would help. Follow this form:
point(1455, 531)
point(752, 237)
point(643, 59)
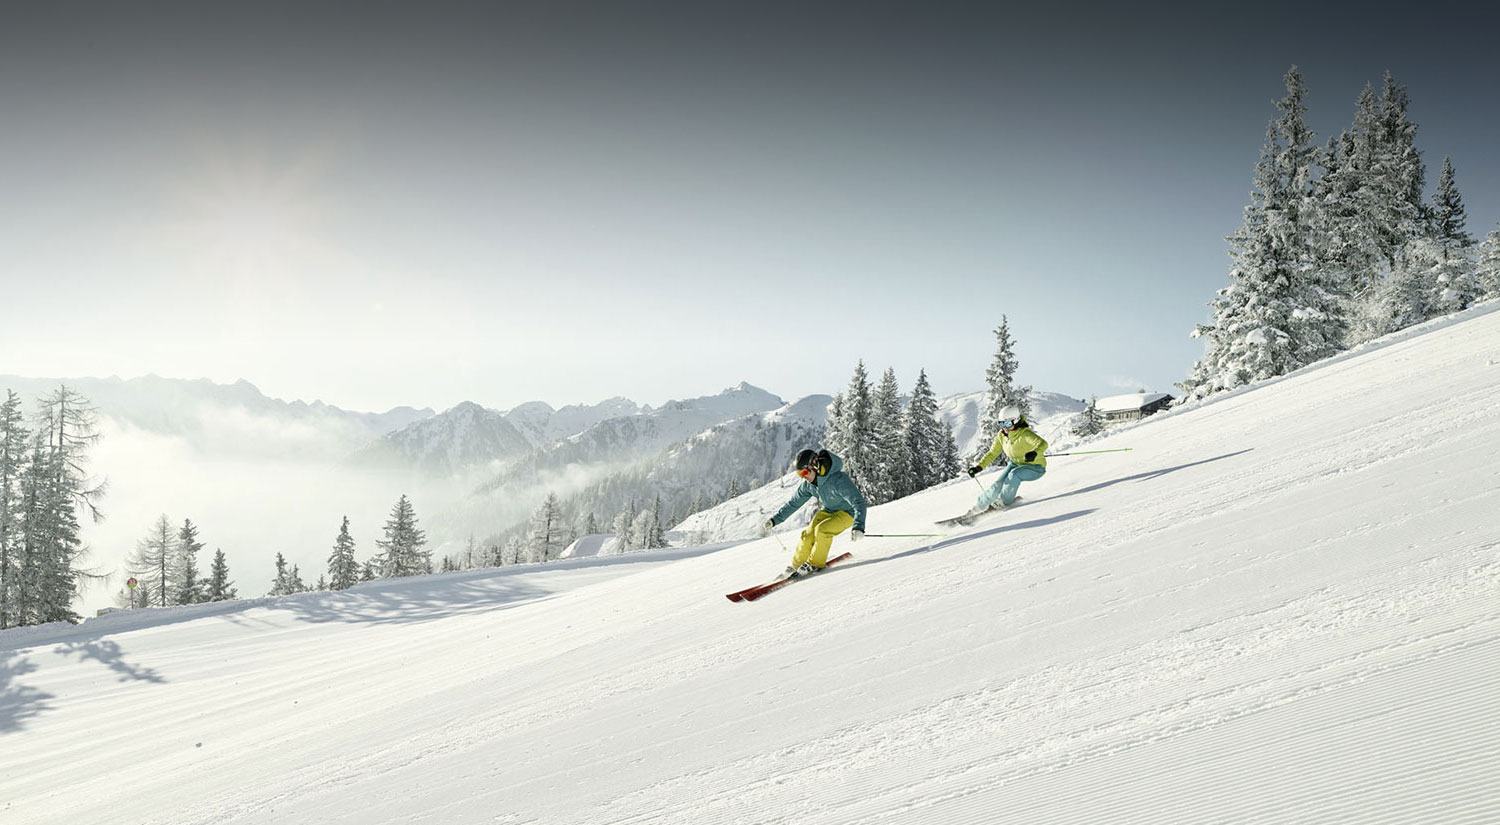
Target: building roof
point(1133, 401)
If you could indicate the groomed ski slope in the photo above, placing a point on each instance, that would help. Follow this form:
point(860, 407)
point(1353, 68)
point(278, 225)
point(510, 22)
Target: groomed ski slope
point(1281, 607)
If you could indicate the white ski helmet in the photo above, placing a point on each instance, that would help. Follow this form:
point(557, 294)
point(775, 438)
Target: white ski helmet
point(1009, 415)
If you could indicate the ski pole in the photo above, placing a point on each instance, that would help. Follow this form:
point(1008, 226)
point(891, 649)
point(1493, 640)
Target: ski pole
point(903, 535)
point(1090, 452)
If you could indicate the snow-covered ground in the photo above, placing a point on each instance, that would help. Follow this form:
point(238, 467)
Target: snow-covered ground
point(1282, 606)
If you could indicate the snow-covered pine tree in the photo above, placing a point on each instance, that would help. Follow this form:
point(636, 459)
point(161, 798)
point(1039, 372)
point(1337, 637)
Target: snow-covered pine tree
point(646, 530)
point(656, 532)
point(282, 584)
point(922, 439)
point(13, 436)
point(834, 426)
point(402, 550)
point(295, 583)
point(515, 550)
point(1090, 421)
point(1394, 181)
point(343, 570)
point(1489, 264)
point(58, 487)
point(623, 529)
point(887, 477)
point(220, 588)
point(952, 462)
point(189, 589)
point(548, 531)
point(1277, 314)
point(1407, 171)
point(152, 564)
point(854, 441)
point(1002, 391)
point(1455, 280)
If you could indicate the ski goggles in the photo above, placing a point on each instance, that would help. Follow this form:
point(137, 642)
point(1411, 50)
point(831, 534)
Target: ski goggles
point(808, 473)
point(1006, 423)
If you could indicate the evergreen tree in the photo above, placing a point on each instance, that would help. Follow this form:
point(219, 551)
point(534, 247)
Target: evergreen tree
point(886, 477)
point(1090, 421)
point(152, 564)
point(1453, 272)
point(189, 589)
point(851, 434)
point(1278, 314)
point(13, 437)
point(646, 529)
point(401, 551)
point(924, 440)
point(952, 462)
point(220, 588)
point(1400, 291)
point(514, 549)
point(343, 570)
point(833, 427)
point(1002, 392)
point(55, 487)
point(548, 530)
point(282, 584)
point(322, 583)
point(294, 581)
point(623, 528)
point(1489, 264)
point(590, 524)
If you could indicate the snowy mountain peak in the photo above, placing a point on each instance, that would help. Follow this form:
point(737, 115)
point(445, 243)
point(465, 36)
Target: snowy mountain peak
point(813, 408)
point(741, 399)
point(464, 436)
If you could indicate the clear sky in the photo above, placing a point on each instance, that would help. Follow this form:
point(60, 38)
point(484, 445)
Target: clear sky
point(377, 204)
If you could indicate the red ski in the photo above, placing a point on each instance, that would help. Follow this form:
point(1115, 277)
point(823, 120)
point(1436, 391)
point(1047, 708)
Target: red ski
point(752, 593)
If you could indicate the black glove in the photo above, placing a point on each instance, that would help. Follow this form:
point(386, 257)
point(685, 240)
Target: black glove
point(1031, 456)
point(975, 470)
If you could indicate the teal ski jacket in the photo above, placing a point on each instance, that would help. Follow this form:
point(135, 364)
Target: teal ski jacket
point(835, 491)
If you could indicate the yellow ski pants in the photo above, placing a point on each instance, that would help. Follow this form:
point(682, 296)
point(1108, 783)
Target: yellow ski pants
point(818, 537)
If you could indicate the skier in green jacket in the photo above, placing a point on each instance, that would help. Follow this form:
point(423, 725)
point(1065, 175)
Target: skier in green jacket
point(1025, 460)
point(823, 477)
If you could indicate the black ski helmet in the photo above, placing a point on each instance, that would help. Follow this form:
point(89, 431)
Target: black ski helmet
point(818, 460)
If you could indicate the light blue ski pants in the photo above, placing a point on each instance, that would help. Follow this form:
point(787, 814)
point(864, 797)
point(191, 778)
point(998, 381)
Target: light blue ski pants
point(1009, 481)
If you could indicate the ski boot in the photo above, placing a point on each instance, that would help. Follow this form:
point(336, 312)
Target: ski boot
point(804, 569)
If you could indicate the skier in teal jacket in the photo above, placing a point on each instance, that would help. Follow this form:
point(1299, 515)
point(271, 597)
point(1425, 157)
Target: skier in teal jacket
point(843, 506)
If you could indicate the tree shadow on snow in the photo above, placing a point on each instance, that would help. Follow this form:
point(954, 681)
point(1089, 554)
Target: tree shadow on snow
point(431, 597)
point(110, 655)
point(18, 703)
point(421, 599)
